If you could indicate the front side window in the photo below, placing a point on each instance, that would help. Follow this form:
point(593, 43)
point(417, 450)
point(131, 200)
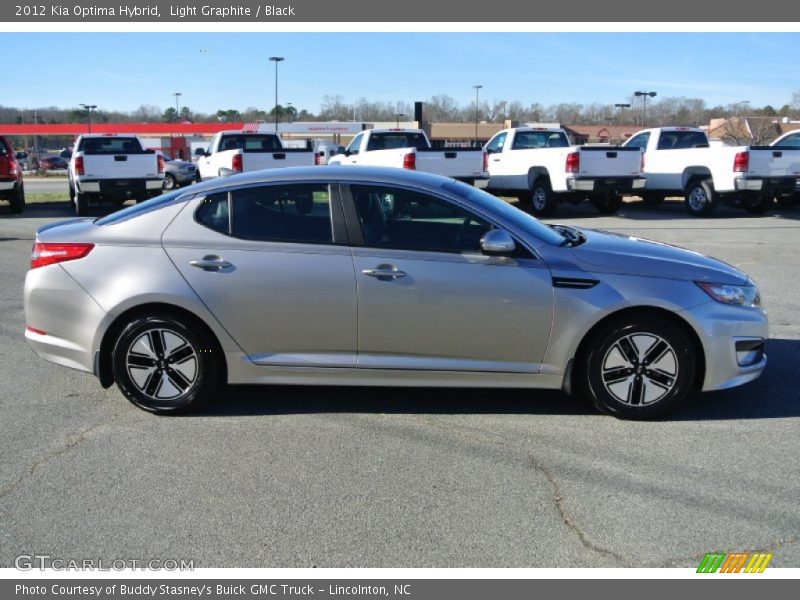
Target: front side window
point(496, 145)
point(639, 141)
point(409, 220)
point(297, 213)
point(355, 144)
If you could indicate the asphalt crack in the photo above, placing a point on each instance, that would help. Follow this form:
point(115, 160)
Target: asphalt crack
point(76, 440)
point(558, 501)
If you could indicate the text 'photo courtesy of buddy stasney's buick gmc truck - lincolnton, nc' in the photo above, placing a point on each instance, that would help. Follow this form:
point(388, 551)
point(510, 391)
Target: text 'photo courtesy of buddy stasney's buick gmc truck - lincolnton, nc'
point(353, 275)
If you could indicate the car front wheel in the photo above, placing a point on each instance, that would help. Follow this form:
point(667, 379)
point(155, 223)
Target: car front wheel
point(638, 368)
point(166, 364)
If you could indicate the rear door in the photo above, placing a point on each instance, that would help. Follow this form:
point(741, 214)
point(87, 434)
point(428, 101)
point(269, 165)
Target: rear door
point(429, 300)
point(272, 264)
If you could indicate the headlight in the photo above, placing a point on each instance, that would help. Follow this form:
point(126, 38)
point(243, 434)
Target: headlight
point(735, 295)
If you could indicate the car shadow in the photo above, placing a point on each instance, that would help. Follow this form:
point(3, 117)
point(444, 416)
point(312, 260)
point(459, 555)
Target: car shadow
point(776, 394)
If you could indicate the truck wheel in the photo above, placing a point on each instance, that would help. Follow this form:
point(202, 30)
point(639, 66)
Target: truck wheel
point(17, 199)
point(637, 367)
point(543, 201)
point(653, 199)
point(81, 204)
point(607, 205)
point(700, 199)
point(758, 205)
point(170, 183)
point(71, 193)
point(788, 201)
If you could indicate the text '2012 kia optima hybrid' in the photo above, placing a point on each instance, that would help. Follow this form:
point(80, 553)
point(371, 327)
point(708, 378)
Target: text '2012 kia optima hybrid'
point(368, 276)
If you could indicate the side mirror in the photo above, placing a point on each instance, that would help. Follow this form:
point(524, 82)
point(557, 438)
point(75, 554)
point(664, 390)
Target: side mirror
point(497, 242)
point(200, 152)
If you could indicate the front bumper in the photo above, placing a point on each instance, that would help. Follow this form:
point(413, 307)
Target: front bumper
point(721, 329)
point(774, 185)
point(605, 184)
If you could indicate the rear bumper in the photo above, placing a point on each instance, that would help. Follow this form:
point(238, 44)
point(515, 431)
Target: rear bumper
point(605, 184)
point(119, 187)
point(61, 318)
point(7, 185)
point(775, 185)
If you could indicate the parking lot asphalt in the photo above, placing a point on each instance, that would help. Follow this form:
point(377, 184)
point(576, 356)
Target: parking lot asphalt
point(373, 477)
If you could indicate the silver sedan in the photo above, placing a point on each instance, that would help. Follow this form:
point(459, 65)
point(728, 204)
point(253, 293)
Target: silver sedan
point(368, 276)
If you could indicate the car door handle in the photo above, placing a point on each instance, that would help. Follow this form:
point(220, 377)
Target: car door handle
point(496, 159)
point(384, 272)
point(210, 262)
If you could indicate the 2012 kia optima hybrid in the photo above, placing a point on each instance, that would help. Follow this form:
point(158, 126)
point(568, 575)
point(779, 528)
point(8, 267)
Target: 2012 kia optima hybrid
point(370, 276)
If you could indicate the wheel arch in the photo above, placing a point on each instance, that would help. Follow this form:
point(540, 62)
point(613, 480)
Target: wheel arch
point(535, 173)
point(103, 366)
point(576, 361)
point(695, 172)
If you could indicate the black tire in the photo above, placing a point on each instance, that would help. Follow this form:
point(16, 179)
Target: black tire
point(81, 204)
point(543, 201)
point(788, 201)
point(613, 371)
point(653, 199)
point(71, 193)
point(759, 205)
point(170, 183)
point(700, 199)
point(166, 364)
point(607, 205)
point(17, 199)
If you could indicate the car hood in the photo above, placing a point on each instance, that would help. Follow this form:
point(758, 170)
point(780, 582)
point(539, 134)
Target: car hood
point(627, 255)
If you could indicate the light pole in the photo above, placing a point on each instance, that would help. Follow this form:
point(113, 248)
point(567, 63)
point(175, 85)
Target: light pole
point(276, 60)
point(89, 108)
point(397, 116)
point(177, 120)
point(621, 107)
point(289, 112)
point(644, 96)
point(742, 105)
point(477, 111)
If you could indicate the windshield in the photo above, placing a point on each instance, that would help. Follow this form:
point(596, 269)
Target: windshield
point(496, 206)
point(139, 209)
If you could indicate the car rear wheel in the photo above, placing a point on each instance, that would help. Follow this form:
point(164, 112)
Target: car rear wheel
point(700, 199)
point(607, 205)
point(17, 199)
point(543, 201)
point(759, 205)
point(170, 183)
point(638, 368)
point(166, 364)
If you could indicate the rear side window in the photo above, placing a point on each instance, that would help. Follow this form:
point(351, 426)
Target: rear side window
point(793, 141)
point(392, 140)
point(283, 213)
point(110, 145)
point(681, 140)
point(213, 212)
point(526, 140)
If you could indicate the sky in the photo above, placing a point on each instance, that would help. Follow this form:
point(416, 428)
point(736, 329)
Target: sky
point(231, 70)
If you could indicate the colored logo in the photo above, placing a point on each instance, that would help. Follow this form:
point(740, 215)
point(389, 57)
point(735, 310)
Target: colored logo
point(734, 562)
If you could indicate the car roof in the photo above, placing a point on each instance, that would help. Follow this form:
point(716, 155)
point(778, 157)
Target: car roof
point(329, 172)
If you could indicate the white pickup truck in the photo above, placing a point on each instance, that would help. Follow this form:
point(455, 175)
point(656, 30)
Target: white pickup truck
point(239, 152)
point(678, 161)
point(113, 167)
point(538, 164)
point(789, 140)
point(411, 149)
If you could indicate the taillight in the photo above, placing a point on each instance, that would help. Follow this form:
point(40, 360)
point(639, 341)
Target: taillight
point(573, 162)
point(49, 254)
point(410, 161)
point(161, 163)
point(741, 162)
point(79, 166)
point(236, 163)
point(318, 158)
point(485, 161)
